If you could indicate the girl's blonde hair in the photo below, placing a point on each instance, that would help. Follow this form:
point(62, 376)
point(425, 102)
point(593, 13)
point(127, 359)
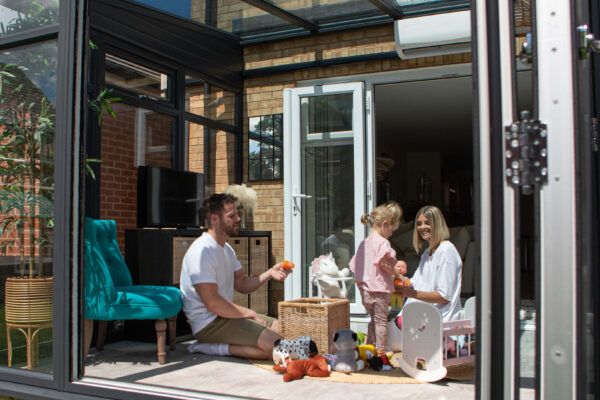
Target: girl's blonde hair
point(438, 229)
point(390, 211)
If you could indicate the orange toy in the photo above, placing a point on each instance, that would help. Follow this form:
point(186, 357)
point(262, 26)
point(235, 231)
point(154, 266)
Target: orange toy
point(316, 367)
point(287, 265)
point(396, 299)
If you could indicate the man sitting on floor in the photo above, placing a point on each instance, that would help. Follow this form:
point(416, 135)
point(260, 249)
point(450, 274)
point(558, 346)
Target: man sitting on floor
point(209, 275)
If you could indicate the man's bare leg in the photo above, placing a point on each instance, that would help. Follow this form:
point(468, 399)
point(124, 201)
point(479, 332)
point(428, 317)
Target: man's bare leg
point(264, 351)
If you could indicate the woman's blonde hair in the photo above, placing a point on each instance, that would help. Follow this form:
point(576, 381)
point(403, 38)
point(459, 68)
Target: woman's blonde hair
point(438, 229)
point(390, 211)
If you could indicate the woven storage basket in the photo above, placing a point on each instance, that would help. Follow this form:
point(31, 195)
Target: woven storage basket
point(318, 318)
point(522, 13)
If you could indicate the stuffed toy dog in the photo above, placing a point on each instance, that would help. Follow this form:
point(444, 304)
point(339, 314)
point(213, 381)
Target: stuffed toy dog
point(316, 367)
point(344, 342)
point(286, 350)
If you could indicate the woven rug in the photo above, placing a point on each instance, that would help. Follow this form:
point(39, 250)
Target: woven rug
point(395, 376)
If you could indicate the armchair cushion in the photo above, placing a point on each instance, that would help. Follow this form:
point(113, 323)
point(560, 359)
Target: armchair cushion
point(145, 302)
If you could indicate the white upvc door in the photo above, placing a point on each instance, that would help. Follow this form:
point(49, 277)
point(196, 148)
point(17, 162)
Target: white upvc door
point(324, 178)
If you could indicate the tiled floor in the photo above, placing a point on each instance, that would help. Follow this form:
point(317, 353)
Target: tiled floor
point(135, 363)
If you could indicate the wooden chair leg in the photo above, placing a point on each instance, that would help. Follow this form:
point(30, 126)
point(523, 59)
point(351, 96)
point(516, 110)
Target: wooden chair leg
point(8, 346)
point(161, 335)
point(101, 336)
point(172, 323)
point(88, 331)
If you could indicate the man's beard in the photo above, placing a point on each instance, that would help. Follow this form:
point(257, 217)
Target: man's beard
point(231, 230)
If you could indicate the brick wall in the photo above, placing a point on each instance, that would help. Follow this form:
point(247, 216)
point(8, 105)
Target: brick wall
point(118, 183)
point(264, 95)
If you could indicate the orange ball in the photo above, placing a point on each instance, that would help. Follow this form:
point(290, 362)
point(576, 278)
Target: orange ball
point(287, 265)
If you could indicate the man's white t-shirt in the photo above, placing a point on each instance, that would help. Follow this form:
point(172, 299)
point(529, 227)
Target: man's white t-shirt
point(206, 262)
point(442, 273)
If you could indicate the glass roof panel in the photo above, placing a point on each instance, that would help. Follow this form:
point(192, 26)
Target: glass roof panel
point(415, 7)
point(243, 19)
point(328, 11)
point(268, 19)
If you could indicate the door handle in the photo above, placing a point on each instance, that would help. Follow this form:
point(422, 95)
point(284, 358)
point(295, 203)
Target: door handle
point(295, 198)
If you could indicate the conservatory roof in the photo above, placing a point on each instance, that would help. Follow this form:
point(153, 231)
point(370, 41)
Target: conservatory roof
point(263, 20)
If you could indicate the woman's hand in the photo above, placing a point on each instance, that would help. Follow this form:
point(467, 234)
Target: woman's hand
point(406, 291)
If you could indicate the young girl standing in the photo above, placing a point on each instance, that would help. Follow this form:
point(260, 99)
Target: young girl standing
point(375, 279)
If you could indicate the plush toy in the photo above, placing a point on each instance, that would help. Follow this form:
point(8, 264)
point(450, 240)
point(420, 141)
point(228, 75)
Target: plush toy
point(316, 367)
point(286, 350)
point(363, 351)
point(344, 343)
point(362, 337)
point(324, 271)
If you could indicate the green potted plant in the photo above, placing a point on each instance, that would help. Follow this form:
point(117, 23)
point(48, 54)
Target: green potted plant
point(26, 202)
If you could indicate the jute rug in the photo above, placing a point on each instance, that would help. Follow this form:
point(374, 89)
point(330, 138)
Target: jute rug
point(395, 376)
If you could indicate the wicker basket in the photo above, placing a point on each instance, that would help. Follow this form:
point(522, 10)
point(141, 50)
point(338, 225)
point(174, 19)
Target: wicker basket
point(318, 318)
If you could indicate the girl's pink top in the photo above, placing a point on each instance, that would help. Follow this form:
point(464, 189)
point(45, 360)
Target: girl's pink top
point(367, 274)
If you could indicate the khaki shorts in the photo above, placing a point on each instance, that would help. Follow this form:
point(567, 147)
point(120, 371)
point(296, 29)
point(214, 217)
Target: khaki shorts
point(244, 332)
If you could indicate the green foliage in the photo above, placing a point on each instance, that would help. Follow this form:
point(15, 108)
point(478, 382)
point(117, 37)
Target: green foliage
point(26, 166)
point(30, 15)
point(103, 104)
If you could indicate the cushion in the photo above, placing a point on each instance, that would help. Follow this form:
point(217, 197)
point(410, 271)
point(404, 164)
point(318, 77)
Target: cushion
point(146, 302)
point(461, 241)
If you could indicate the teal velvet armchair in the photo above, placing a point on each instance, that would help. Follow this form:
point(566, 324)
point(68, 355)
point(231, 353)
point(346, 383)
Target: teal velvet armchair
point(110, 294)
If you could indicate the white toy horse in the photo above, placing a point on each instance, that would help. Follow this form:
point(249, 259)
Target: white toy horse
point(329, 279)
point(424, 356)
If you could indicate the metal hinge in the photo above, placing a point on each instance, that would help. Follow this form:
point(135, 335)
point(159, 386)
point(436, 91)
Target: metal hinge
point(587, 42)
point(526, 153)
point(595, 138)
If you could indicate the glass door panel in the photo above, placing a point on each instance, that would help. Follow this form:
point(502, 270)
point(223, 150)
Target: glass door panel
point(328, 226)
point(324, 180)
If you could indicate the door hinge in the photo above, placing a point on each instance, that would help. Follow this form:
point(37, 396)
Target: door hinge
point(595, 138)
point(587, 42)
point(526, 153)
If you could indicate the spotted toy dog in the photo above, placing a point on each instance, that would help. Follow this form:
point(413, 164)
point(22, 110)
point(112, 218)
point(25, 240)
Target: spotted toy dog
point(286, 350)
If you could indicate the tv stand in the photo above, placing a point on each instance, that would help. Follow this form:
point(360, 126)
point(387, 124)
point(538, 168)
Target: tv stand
point(154, 257)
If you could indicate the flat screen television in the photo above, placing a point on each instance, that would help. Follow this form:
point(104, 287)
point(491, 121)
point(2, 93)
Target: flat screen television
point(169, 198)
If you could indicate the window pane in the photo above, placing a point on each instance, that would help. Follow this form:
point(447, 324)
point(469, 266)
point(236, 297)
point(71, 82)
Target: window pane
point(254, 170)
point(278, 126)
point(266, 150)
point(277, 148)
point(254, 126)
point(27, 116)
point(24, 15)
point(277, 169)
point(137, 78)
point(266, 168)
point(254, 151)
point(326, 114)
point(266, 126)
point(208, 100)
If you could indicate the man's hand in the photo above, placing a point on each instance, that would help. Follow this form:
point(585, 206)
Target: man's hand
point(278, 273)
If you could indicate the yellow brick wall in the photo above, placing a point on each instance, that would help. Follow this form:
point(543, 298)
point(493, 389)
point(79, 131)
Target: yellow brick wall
point(264, 95)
